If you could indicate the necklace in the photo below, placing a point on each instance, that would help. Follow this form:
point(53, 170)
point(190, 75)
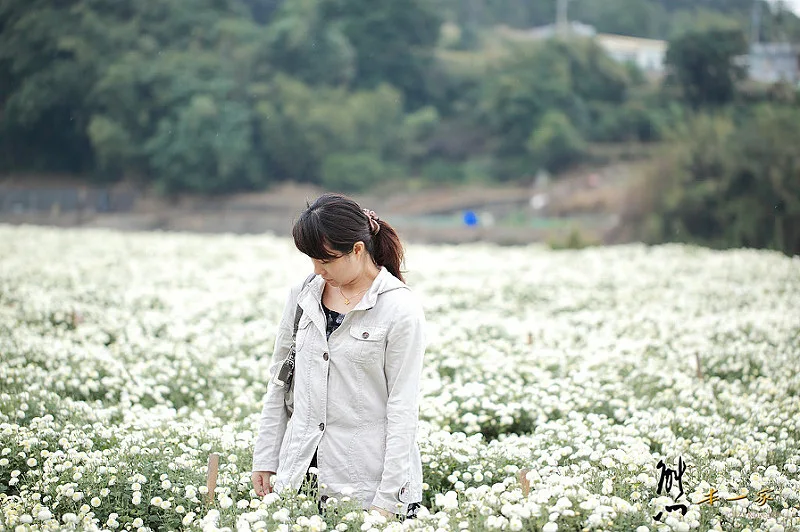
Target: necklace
point(347, 299)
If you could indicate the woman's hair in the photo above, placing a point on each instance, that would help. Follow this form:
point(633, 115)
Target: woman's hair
point(338, 222)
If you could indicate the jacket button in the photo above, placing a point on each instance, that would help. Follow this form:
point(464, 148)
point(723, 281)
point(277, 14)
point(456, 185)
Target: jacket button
point(322, 426)
point(324, 356)
point(365, 335)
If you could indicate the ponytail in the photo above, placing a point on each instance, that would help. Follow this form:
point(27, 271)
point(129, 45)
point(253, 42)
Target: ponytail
point(388, 250)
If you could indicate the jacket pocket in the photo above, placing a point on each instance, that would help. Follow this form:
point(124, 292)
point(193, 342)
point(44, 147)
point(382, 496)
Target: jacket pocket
point(365, 453)
point(367, 343)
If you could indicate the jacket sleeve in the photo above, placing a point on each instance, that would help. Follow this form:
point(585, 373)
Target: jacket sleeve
point(403, 367)
point(272, 424)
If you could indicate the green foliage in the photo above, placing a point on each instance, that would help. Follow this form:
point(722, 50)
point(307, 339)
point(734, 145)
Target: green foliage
point(204, 138)
point(213, 95)
point(552, 76)
point(703, 65)
point(348, 172)
point(632, 121)
point(731, 184)
point(112, 144)
point(702, 20)
point(303, 44)
point(302, 126)
point(442, 171)
point(393, 42)
point(555, 143)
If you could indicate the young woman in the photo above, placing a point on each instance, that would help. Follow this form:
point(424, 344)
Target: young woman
point(360, 343)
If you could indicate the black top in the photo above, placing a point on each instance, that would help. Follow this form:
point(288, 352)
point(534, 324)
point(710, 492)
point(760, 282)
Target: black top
point(332, 320)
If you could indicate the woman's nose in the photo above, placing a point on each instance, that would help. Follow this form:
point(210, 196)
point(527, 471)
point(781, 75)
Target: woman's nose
point(318, 269)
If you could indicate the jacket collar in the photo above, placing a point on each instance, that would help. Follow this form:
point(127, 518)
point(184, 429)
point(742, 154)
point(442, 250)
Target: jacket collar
point(311, 295)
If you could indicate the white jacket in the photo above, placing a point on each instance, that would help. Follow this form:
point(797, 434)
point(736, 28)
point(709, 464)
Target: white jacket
point(355, 397)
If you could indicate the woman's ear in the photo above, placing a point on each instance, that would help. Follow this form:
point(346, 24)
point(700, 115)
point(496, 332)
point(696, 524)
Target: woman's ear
point(358, 248)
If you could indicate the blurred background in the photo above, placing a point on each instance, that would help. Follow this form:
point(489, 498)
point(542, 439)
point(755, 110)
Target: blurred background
point(571, 122)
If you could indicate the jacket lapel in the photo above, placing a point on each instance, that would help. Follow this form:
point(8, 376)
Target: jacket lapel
point(309, 300)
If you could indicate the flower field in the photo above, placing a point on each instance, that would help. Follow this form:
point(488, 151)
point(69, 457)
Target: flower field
point(554, 384)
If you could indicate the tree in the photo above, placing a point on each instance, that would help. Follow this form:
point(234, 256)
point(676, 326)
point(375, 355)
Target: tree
point(729, 184)
point(393, 41)
point(555, 143)
point(703, 65)
point(307, 46)
point(555, 75)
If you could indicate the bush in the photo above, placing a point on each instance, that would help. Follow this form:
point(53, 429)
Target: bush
point(442, 171)
point(352, 172)
point(630, 122)
point(556, 144)
point(728, 184)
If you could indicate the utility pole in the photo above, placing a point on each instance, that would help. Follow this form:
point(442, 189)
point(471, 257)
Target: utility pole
point(755, 23)
point(562, 22)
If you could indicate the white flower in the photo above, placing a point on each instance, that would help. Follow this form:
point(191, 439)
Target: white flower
point(448, 501)
point(281, 515)
point(271, 498)
point(95, 501)
point(550, 527)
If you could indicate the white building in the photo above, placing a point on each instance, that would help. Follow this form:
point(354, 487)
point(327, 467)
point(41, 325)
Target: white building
point(773, 62)
point(647, 54)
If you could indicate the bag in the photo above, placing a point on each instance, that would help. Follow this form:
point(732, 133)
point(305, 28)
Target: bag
point(285, 375)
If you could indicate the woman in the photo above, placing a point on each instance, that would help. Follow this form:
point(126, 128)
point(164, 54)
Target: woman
point(360, 343)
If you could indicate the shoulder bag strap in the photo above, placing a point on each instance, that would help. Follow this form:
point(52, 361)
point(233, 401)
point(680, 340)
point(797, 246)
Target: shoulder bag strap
point(298, 313)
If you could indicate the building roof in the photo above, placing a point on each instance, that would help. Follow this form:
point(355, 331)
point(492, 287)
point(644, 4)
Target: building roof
point(624, 42)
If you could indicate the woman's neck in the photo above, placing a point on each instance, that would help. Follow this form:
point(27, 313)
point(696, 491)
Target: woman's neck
point(364, 280)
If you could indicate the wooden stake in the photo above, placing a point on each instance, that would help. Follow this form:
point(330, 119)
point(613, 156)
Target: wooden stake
point(524, 482)
point(211, 478)
point(699, 366)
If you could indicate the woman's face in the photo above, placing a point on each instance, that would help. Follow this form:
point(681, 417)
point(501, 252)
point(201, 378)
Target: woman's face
point(343, 269)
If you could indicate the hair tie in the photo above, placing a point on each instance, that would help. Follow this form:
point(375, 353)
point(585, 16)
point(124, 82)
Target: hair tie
point(374, 226)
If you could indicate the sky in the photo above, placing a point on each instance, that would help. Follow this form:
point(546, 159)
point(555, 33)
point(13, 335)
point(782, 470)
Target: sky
point(794, 4)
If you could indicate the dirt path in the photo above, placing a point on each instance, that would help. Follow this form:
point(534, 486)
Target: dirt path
point(587, 201)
